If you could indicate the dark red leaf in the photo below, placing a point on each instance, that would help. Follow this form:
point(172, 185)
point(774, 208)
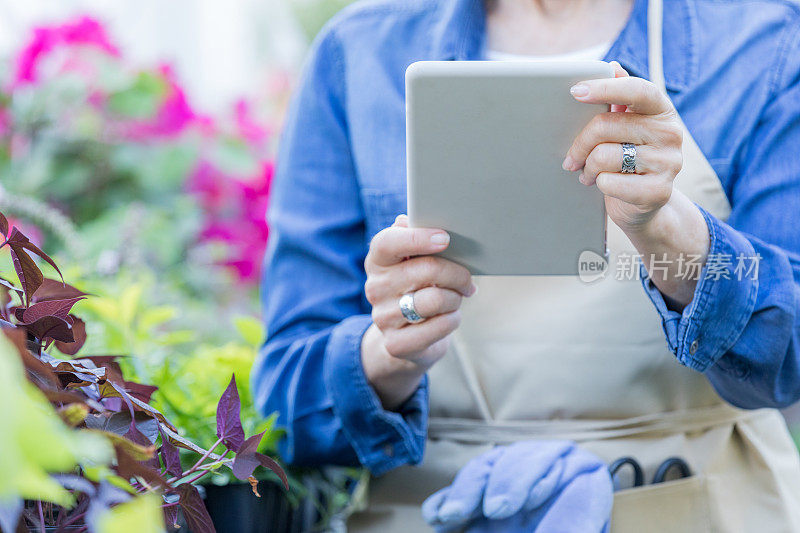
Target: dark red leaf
point(100, 360)
point(51, 289)
point(78, 333)
point(134, 435)
point(194, 510)
point(271, 464)
point(5, 283)
point(129, 467)
point(18, 240)
point(142, 392)
point(147, 426)
point(77, 365)
point(113, 372)
point(3, 224)
point(171, 517)
point(30, 277)
point(229, 421)
point(58, 308)
point(75, 379)
point(39, 372)
point(139, 405)
point(247, 459)
point(65, 397)
point(120, 423)
point(170, 456)
point(51, 327)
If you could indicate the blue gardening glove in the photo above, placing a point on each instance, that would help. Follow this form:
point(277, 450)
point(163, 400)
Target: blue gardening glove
point(551, 486)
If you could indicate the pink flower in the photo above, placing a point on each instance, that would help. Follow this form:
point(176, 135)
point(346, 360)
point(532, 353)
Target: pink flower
point(235, 215)
point(254, 133)
point(206, 125)
point(173, 116)
point(206, 182)
point(30, 231)
point(84, 31)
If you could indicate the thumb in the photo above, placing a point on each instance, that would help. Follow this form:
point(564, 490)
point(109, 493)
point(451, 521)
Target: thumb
point(619, 72)
point(401, 221)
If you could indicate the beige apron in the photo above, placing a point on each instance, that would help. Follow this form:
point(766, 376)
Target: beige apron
point(553, 357)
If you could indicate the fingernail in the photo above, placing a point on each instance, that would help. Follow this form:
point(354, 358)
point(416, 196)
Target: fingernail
point(568, 164)
point(473, 289)
point(582, 178)
point(440, 238)
point(450, 510)
point(496, 507)
point(580, 90)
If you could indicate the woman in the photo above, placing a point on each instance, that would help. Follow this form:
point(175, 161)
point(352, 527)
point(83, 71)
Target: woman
point(625, 368)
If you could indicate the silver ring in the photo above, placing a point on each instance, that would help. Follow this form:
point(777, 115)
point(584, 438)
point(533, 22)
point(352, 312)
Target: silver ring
point(628, 158)
point(408, 310)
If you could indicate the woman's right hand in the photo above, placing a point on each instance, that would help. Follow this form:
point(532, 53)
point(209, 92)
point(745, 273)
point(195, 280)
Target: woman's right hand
point(394, 353)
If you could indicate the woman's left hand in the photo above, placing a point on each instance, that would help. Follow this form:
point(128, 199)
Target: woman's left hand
point(642, 115)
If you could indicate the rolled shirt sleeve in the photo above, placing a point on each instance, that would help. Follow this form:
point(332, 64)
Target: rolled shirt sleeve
point(382, 439)
point(723, 301)
point(309, 370)
point(743, 331)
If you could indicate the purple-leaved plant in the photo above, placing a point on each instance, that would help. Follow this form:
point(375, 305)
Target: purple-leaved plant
point(90, 393)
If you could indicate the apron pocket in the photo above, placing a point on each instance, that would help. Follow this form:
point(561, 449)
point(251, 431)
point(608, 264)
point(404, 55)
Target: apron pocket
point(673, 506)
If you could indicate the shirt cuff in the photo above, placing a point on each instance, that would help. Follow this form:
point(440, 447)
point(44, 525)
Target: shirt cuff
point(382, 439)
point(723, 299)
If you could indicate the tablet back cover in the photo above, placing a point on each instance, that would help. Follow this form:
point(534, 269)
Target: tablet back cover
point(485, 144)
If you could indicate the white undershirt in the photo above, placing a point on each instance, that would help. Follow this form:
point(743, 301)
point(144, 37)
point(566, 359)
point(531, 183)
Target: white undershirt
point(592, 53)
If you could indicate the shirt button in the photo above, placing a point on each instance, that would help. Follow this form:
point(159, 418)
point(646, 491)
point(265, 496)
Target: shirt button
point(693, 347)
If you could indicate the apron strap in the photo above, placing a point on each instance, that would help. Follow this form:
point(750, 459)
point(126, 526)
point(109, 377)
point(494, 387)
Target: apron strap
point(655, 32)
point(471, 379)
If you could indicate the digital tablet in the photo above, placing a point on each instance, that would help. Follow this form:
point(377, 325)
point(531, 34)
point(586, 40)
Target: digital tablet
point(485, 142)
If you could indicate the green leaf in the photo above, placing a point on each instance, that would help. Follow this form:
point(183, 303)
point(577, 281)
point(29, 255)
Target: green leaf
point(157, 316)
point(141, 99)
point(250, 328)
point(139, 515)
point(35, 441)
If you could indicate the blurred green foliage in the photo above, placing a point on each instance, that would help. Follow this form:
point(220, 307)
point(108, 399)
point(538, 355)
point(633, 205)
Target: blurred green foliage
point(101, 164)
point(313, 14)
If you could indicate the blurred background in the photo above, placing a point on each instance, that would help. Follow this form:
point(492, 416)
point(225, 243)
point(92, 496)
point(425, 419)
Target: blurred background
point(137, 145)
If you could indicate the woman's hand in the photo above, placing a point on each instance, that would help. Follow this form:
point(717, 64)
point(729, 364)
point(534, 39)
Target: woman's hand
point(642, 115)
point(396, 354)
point(663, 224)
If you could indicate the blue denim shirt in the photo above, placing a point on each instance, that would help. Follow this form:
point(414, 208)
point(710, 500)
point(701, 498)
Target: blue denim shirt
point(733, 71)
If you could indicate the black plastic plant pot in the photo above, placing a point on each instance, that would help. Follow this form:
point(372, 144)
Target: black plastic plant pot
point(235, 509)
